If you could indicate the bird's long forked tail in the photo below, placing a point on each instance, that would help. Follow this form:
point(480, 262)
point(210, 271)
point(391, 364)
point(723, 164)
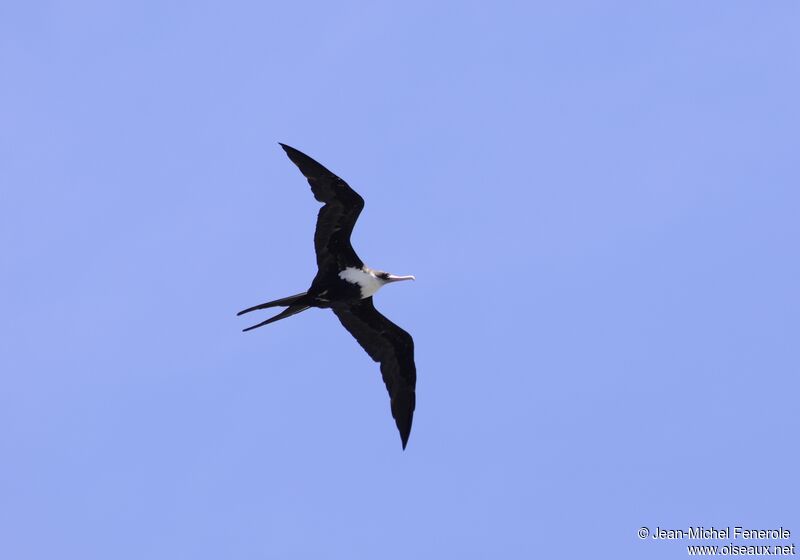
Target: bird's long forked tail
point(294, 305)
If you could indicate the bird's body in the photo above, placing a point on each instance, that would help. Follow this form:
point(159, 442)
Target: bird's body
point(345, 285)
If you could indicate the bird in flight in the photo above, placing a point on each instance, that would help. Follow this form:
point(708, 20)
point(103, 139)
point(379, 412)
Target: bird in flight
point(346, 285)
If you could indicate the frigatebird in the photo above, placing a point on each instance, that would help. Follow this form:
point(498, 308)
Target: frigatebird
point(345, 285)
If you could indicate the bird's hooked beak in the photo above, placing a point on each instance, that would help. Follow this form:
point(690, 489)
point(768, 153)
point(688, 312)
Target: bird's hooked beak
point(396, 278)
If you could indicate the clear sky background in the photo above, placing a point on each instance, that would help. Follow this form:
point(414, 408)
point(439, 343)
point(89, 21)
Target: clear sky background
point(601, 204)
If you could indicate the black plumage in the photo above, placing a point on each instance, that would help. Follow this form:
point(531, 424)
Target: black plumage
point(345, 285)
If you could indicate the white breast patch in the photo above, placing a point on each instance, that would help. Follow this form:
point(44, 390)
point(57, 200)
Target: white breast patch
point(368, 283)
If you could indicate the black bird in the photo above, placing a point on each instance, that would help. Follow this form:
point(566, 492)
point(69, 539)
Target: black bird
point(345, 285)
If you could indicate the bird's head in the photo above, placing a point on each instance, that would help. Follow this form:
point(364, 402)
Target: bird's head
point(386, 277)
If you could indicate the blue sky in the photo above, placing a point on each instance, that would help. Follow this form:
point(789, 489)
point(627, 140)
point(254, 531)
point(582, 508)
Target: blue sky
point(599, 201)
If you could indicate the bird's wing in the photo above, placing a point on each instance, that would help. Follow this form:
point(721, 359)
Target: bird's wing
point(393, 347)
point(336, 218)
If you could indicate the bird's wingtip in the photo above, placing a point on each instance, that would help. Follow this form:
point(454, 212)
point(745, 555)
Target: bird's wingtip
point(404, 435)
point(403, 413)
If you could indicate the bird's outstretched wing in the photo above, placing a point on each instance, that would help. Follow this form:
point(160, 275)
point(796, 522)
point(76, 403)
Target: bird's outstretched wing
point(336, 218)
point(393, 347)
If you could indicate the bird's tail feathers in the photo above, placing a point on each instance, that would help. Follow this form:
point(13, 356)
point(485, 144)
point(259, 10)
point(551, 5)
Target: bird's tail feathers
point(288, 312)
point(294, 305)
point(283, 302)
